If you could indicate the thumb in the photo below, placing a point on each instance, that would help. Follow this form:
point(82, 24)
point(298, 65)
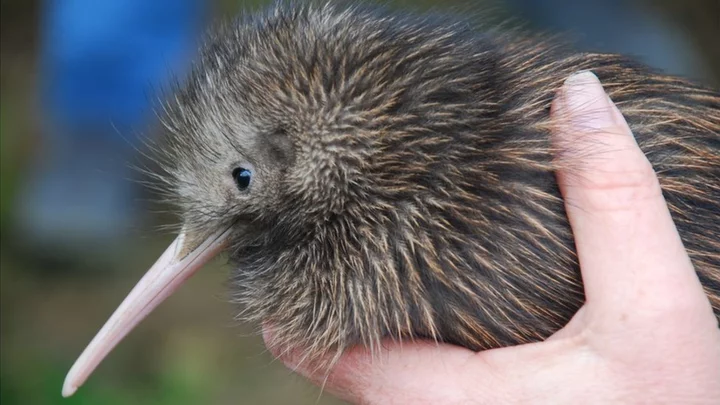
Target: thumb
point(630, 253)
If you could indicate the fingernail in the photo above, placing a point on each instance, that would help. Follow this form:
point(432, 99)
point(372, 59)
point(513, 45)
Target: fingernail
point(585, 104)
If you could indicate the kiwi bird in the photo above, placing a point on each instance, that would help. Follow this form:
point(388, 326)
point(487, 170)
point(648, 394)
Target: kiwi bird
point(379, 175)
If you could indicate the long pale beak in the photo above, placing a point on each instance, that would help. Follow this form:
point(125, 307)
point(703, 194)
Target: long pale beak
point(180, 261)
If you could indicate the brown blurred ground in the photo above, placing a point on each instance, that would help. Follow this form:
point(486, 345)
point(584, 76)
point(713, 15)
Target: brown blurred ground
point(187, 352)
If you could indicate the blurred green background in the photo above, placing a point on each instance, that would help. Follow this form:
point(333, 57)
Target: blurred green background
point(189, 351)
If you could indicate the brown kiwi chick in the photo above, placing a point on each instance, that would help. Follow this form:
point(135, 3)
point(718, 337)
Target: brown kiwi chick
point(379, 175)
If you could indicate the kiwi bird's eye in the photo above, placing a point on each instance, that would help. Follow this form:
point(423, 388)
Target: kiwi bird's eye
point(242, 177)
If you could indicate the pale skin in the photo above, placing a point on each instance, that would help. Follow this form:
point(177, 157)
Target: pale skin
point(646, 334)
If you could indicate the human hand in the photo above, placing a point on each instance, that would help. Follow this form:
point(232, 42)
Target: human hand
point(646, 334)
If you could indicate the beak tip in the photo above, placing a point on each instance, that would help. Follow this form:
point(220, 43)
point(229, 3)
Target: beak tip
point(164, 277)
point(68, 389)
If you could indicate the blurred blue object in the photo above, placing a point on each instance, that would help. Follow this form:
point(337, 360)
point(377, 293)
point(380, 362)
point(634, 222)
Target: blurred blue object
point(101, 60)
point(101, 63)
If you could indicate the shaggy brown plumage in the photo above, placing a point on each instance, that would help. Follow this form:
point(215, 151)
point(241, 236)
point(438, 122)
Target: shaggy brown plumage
point(402, 175)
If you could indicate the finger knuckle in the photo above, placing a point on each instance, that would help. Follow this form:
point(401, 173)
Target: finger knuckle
point(620, 190)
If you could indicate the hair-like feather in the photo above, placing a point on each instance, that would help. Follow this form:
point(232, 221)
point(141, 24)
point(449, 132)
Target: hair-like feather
point(404, 177)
